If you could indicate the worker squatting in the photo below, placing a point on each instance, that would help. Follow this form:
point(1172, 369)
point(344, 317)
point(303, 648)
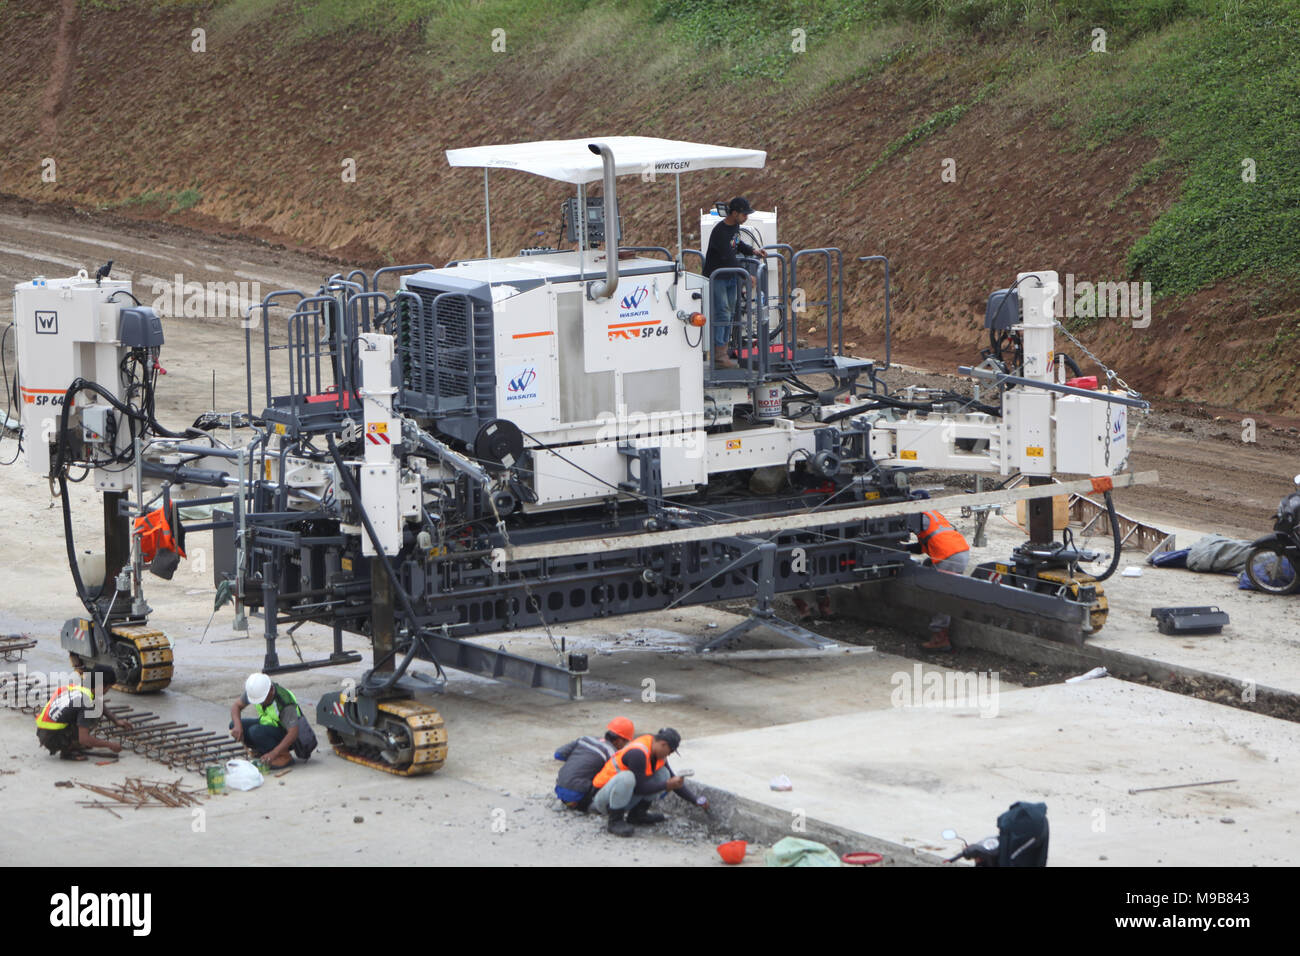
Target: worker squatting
point(621, 775)
point(66, 725)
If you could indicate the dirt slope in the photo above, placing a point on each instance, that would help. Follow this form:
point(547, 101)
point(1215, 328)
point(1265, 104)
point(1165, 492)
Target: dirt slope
point(259, 128)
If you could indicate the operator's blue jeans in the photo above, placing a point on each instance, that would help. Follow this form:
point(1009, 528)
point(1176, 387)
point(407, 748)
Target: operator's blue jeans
point(260, 738)
point(725, 299)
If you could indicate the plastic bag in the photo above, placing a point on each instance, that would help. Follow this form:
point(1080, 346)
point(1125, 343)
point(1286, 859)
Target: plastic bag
point(792, 851)
point(242, 775)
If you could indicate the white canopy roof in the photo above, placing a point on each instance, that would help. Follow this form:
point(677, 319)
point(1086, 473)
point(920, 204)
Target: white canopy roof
point(570, 161)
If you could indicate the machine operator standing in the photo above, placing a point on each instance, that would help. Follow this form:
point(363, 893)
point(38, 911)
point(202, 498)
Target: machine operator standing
point(724, 293)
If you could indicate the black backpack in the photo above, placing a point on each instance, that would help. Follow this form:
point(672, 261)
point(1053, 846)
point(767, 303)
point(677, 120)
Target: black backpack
point(1022, 835)
point(306, 742)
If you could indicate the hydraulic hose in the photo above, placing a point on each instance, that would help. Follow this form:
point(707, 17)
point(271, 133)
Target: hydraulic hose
point(1114, 529)
point(68, 542)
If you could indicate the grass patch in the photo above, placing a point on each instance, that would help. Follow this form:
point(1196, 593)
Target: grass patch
point(165, 201)
point(1216, 93)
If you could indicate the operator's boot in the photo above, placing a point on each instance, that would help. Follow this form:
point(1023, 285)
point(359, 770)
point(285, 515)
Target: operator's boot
point(642, 816)
point(938, 640)
point(617, 825)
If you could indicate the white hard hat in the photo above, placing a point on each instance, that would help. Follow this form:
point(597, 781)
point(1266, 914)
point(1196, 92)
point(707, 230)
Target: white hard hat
point(257, 687)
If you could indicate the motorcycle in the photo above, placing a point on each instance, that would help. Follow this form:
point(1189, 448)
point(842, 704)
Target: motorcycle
point(1273, 562)
point(984, 853)
point(1023, 835)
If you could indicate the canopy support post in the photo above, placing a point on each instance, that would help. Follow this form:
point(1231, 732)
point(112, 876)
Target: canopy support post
point(678, 177)
point(487, 211)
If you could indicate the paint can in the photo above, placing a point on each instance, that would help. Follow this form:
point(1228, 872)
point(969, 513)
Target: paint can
point(767, 402)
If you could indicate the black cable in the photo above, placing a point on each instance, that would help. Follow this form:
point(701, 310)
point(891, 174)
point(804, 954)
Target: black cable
point(9, 395)
point(91, 608)
point(124, 292)
point(1114, 528)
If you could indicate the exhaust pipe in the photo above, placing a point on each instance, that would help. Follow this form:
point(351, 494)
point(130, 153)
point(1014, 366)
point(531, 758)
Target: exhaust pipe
point(606, 288)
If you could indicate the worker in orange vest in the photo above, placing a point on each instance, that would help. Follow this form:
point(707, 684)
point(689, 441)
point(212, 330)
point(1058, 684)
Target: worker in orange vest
point(583, 759)
point(634, 776)
point(947, 550)
point(65, 723)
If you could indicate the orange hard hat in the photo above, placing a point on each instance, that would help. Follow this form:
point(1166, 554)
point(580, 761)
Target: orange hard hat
point(623, 727)
point(732, 852)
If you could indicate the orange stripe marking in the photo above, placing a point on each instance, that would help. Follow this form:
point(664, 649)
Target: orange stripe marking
point(530, 335)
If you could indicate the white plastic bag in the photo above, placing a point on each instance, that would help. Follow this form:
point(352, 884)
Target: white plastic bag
point(242, 775)
point(1091, 675)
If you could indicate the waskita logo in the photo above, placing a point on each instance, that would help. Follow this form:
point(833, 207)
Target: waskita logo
point(520, 383)
point(523, 385)
point(77, 909)
point(630, 305)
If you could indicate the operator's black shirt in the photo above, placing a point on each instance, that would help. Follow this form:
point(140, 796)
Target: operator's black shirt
point(723, 243)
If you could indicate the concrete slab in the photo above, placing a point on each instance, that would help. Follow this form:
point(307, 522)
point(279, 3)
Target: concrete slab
point(906, 773)
point(499, 770)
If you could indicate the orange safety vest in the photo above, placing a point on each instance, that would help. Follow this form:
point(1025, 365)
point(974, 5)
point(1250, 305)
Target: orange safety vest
point(156, 534)
point(614, 765)
point(942, 540)
point(43, 721)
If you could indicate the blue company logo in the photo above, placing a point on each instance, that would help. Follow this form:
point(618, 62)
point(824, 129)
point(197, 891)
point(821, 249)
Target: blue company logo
point(520, 384)
point(635, 299)
point(1117, 427)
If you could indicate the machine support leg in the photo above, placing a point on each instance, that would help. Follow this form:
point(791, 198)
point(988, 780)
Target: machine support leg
point(762, 615)
point(382, 621)
point(271, 608)
point(117, 540)
point(1040, 513)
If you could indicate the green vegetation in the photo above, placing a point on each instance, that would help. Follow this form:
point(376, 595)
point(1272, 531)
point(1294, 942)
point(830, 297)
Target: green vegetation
point(1220, 97)
point(171, 202)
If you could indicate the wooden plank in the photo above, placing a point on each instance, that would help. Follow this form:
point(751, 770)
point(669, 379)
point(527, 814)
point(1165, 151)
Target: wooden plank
point(812, 519)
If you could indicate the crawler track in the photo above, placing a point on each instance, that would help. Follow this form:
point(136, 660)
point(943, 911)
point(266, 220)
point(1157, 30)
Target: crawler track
point(427, 740)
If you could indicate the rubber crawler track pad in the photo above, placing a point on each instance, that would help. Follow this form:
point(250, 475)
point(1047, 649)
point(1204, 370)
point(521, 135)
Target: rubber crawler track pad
point(428, 737)
point(154, 652)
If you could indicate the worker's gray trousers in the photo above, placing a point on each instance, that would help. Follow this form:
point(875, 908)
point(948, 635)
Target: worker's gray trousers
point(618, 793)
point(953, 564)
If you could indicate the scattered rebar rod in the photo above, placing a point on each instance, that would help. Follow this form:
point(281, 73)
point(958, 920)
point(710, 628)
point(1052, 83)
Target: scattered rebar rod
point(151, 735)
point(1179, 786)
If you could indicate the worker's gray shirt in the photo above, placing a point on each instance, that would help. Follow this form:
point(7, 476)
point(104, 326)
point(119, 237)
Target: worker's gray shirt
point(583, 759)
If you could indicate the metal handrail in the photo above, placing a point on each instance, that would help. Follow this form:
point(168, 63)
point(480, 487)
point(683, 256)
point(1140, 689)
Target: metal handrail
point(265, 306)
point(749, 322)
point(834, 301)
point(386, 270)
